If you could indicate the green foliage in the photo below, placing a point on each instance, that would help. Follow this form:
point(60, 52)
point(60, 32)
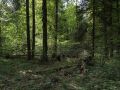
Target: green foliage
point(75, 28)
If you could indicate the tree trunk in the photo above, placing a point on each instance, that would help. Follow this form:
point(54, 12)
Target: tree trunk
point(77, 26)
point(105, 41)
point(56, 26)
point(118, 21)
point(105, 30)
point(33, 28)
point(93, 31)
point(28, 31)
point(0, 37)
point(118, 11)
point(44, 20)
point(111, 29)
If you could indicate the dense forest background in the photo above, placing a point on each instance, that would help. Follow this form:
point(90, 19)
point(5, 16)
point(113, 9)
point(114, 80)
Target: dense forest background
point(44, 38)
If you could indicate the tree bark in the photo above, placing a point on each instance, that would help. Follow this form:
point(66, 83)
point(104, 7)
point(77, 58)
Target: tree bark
point(44, 20)
point(33, 28)
point(93, 31)
point(0, 38)
point(111, 29)
point(105, 29)
point(77, 26)
point(118, 21)
point(118, 11)
point(56, 26)
point(28, 31)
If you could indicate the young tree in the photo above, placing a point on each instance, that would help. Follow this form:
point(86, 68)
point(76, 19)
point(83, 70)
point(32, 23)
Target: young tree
point(28, 31)
point(33, 28)
point(44, 20)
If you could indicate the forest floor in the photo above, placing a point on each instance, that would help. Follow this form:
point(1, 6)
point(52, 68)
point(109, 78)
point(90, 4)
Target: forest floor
point(64, 75)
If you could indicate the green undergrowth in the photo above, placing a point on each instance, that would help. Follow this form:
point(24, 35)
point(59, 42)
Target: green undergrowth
point(65, 75)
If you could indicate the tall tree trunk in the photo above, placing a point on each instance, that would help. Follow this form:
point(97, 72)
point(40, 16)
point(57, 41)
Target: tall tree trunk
point(118, 11)
point(44, 19)
point(1, 32)
point(105, 29)
point(111, 29)
point(28, 31)
point(33, 28)
point(56, 26)
point(0, 38)
point(105, 41)
point(93, 31)
point(118, 21)
point(77, 26)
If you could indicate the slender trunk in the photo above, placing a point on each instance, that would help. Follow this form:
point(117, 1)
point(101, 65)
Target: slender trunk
point(56, 26)
point(1, 33)
point(111, 48)
point(0, 38)
point(105, 30)
point(118, 11)
point(28, 31)
point(111, 29)
point(44, 19)
point(118, 21)
point(33, 28)
point(105, 41)
point(93, 31)
point(77, 15)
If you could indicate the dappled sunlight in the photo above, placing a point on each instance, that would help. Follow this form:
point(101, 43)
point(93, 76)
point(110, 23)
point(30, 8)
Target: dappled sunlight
point(25, 72)
point(59, 45)
point(29, 74)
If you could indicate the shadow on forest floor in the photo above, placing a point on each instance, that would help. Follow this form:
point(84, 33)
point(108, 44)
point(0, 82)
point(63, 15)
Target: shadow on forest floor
point(24, 75)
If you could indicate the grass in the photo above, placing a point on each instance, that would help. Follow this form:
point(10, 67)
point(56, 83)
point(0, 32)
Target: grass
point(25, 75)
